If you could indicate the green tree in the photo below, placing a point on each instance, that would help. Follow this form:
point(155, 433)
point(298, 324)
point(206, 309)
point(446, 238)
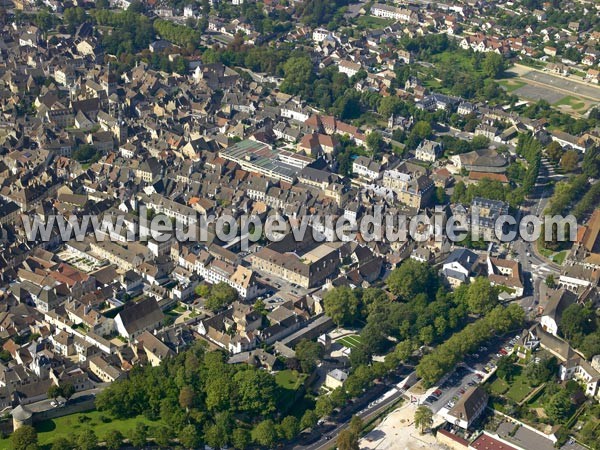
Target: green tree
point(68, 390)
point(459, 193)
point(482, 296)
point(427, 334)
point(403, 350)
point(298, 73)
point(576, 321)
point(62, 443)
point(241, 438)
point(420, 131)
point(324, 406)
point(221, 295)
point(347, 440)
point(290, 427)
point(591, 162)
point(265, 433)
point(113, 440)
point(163, 436)
point(308, 354)
point(309, 419)
point(550, 281)
point(413, 278)
point(480, 142)
point(540, 372)
point(189, 437)
point(255, 391)
point(440, 196)
point(139, 435)
point(54, 391)
point(86, 153)
point(356, 425)
point(136, 6)
point(558, 407)
point(24, 438)
point(218, 393)
point(590, 345)
point(493, 65)
point(87, 440)
point(342, 305)
point(202, 290)
point(217, 435)
point(348, 105)
point(390, 105)
point(505, 368)
point(446, 355)
point(187, 396)
point(554, 151)
point(375, 142)
point(569, 160)
point(423, 418)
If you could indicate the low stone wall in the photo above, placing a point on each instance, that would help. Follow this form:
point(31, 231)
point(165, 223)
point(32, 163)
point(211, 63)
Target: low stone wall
point(69, 408)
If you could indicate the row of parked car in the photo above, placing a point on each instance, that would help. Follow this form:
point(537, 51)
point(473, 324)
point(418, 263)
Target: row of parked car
point(475, 380)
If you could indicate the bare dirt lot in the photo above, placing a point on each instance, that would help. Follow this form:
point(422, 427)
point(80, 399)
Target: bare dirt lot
point(397, 432)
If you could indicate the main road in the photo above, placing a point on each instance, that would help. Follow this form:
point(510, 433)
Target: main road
point(371, 405)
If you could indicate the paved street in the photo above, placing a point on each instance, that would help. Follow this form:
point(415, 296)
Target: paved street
point(44, 405)
point(367, 408)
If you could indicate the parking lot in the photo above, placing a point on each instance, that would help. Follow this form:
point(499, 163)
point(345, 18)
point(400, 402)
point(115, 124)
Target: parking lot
point(571, 87)
point(536, 92)
point(475, 369)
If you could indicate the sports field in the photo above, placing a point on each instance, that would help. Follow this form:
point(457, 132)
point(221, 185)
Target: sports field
point(349, 341)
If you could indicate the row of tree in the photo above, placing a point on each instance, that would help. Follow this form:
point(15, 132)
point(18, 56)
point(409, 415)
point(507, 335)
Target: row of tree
point(497, 322)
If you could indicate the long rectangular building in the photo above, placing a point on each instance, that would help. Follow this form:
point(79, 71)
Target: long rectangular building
point(261, 158)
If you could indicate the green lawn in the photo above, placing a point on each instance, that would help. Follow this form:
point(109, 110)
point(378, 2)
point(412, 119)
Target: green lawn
point(538, 400)
point(290, 379)
point(432, 83)
point(560, 257)
point(370, 22)
point(71, 425)
point(499, 387)
point(516, 389)
point(573, 102)
point(519, 389)
point(349, 341)
point(511, 85)
point(288, 399)
point(455, 58)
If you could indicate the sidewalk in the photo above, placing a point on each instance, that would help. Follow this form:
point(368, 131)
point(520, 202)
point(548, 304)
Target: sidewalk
point(397, 432)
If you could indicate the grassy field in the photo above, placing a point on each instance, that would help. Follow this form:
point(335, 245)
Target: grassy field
point(511, 85)
point(516, 390)
point(571, 101)
point(290, 379)
point(288, 400)
point(558, 258)
point(69, 426)
point(349, 341)
point(370, 22)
